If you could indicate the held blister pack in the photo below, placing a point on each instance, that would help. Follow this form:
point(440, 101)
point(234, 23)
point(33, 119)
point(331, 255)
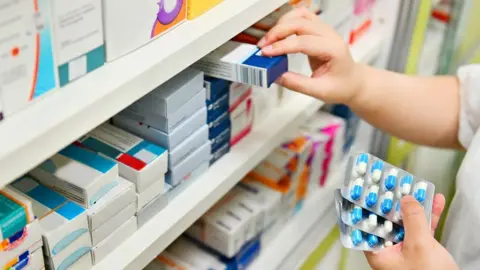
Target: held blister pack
point(378, 187)
point(353, 238)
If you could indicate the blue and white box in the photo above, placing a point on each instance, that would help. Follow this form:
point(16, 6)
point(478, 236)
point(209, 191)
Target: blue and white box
point(218, 108)
point(190, 167)
point(79, 174)
point(215, 88)
point(64, 223)
point(243, 63)
point(220, 152)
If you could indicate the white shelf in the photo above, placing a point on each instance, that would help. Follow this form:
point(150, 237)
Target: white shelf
point(31, 136)
point(369, 47)
point(202, 193)
point(301, 235)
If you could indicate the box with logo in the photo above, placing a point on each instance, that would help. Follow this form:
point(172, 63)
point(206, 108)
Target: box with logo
point(24, 247)
point(188, 251)
point(215, 89)
point(15, 213)
point(218, 107)
point(139, 161)
point(32, 261)
point(131, 24)
point(242, 120)
point(80, 174)
point(190, 167)
point(220, 152)
point(153, 207)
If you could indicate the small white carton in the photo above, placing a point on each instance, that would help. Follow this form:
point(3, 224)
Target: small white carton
point(153, 207)
point(23, 247)
point(105, 230)
point(189, 252)
point(147, 196)
point(169, 261)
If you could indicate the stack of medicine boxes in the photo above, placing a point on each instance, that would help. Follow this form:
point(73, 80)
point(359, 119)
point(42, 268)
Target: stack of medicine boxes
point(20, 233)
point(64, 226)
point(174, 116)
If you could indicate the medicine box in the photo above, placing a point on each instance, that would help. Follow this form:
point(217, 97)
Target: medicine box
point(153, 207)
point(152, 109)
point(167, 140)
point(242, 120)
point(215, 88)
point(15, 213)
point(244, 63)
point(168, 261)
point(220, 133)
point(218, 107)
point(188, 251)
point(131, 24)
point(13, 254)
point(78, 38)
point(18, 259)
point(147, 196)
point(102, 232)
point(238, 93)
point(199, 7)
point(188, 146)
point(220, 152)
point(139, 161)
point(34, 261)
point(190, 166)
point(27, 71)
point(116, 200)
point(63, 222)
point(79, 259)
point(78, 173)
point(118, 236)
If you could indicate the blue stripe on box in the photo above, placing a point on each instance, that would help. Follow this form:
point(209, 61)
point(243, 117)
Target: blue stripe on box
point(275, 66)
point(101, 147)
point(88, 158)
point(46, 196)
point(70, 210)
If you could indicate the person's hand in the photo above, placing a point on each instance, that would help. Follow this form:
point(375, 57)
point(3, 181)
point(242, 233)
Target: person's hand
point(419, 250)
point(336, 77)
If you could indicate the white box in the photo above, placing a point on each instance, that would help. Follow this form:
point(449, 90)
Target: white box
point(132, 24)
point(139, 161)
point(8, 262)
point(33, 239)
point(147, 196)
point(75, 263)
point(71, 255)
point(80, 174)
point(153, 207)
point(78, 38)
point(118, 236)
point(241, 117)
point(35, 261)
point(169, 261)
point(63, 222)
point(15, 212)
point(247, 202)
point(106, 229)
point(191, 167)
point(189, 252)
point(122, 195)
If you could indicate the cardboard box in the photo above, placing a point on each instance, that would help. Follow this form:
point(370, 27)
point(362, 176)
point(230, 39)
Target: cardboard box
point(217, 108)
point(147, 196)
point(19, 258)
point(188, 146)
point(23, 247)
point(188, 251)
point(116, 200)
point(106, 229)
point(153, 207)
point(139, 161)
point(24, 80)
point(215, 89)
point(242, 120)
point(116, 238)
point(220, 134)
point(15, 212)
point(63, 222)
point(78, 38)
point(80, 174)
point(168, 261)
point(170, 140)
point(80, 259)
point(186, 168)
point(220, 152)
point(146, 112)
point(243, 63)
point(33, 262)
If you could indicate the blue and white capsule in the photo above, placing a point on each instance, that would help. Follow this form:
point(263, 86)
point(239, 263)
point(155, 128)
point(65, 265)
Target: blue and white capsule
point(420, 191)
point(400, 235)
point(387, 203)
point(391, 179)
point(372, 220)
point(361, 164)
point(357, 237)
point(357, 215)
point(397, 216)
point(372, 196)
point(376, 171)
point(372, 241)
point(356, 189)
point(388, 226)
point(406, 184)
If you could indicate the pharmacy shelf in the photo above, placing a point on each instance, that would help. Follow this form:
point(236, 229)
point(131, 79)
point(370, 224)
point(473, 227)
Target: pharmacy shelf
point(302, 234)
point(369, 47)
point(202, 193)
point(32, 135)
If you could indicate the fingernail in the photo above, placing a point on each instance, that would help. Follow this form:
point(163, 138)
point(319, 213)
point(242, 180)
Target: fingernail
point(262, 42)
point(267, 49)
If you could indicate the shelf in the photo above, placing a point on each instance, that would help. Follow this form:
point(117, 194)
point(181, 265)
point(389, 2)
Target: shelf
point(302, 234)
point(369, 47)
point(202, 193)
point(34, 134)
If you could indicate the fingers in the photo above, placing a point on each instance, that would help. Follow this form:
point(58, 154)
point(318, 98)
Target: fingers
point(414, 220)
point(298, 83)
point(386, 258)
point(437, 210)
point(283, 30)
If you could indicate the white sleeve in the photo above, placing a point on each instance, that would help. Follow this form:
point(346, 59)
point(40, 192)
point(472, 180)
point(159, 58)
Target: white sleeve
point(469, 77)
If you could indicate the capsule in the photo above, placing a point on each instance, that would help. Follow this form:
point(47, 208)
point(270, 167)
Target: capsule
point(357, 215)
point(372, 240)
point(397, 215)
point(420, 191)
point(388, 243)
point(376, 171)
point(361, 164)
point(406, 184)
point(372, 220)
point(357, 237)
point(391, 179)
point(357, 189)
point(387, 203)
point(400, 235)
point(372, 196)
point(388, 226)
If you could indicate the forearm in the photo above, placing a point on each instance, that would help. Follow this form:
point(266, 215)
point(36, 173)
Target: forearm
point(423, 110)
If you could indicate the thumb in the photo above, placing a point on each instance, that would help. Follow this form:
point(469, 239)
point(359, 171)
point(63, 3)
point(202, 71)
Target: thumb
point(414, 221)
point(299, 83)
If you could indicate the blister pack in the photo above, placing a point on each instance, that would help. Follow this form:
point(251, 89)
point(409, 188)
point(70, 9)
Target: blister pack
point(357, 239)
point(378, 187)
point(356, 217)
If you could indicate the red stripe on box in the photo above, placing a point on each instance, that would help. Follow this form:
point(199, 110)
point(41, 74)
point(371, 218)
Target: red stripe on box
point(132, 162)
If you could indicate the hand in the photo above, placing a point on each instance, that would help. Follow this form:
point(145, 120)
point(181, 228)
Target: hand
point(419, 250)
point(336, 77)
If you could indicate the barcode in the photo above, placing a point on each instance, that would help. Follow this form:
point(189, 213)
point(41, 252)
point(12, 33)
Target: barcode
point(250, 75)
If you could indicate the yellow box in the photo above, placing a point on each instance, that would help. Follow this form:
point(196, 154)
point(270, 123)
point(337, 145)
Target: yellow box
point(198, 7)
